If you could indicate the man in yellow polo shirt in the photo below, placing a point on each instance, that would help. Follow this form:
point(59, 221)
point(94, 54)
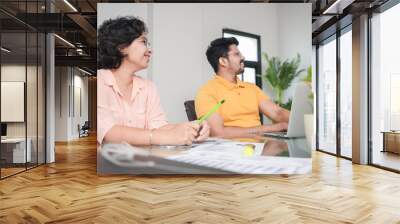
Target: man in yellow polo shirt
point(239, 115)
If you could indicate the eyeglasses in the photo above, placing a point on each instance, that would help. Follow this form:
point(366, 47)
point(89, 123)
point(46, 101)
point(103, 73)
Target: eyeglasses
point(146, 43)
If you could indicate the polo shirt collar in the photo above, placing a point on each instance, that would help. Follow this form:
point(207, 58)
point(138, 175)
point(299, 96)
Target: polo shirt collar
point(229, 85)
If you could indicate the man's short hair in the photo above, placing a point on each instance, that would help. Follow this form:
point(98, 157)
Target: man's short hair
point(219, 48)
point(115, 34)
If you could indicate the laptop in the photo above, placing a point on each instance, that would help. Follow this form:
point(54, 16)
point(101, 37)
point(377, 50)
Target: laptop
point(301, 105)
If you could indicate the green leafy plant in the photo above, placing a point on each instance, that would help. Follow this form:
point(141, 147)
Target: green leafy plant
point(280, 75)
point(308, 81)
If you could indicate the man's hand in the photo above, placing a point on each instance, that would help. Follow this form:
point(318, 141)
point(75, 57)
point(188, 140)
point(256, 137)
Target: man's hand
point(282, 126)
point(274, 111)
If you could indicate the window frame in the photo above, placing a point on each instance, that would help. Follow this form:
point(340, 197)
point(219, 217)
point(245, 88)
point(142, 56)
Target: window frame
point(334, 37)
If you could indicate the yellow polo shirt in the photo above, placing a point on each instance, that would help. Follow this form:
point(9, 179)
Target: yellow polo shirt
point(241, 101)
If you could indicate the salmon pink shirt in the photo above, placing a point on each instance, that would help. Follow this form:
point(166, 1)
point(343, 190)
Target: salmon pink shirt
point(142, 111)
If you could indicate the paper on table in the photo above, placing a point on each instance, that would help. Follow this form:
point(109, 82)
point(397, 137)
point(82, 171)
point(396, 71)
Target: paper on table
point(227, 147)
point(228, 155)
point(219, 154)
point(195, 144)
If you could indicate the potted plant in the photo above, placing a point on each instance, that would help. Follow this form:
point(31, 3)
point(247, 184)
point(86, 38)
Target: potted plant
point(280, 75)
point(309, 118)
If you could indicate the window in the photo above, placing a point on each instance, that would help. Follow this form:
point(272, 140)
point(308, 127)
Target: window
point(22, 74)
point(394, 101)
point(346, 93)
point(334, 94)
point(327, 96)
point(385, 88)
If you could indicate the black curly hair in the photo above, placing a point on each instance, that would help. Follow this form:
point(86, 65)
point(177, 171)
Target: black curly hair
point(113, 35)
point(219, 48)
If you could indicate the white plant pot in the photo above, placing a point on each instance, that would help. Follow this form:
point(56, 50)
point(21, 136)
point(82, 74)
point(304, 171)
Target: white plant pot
point(309, 129)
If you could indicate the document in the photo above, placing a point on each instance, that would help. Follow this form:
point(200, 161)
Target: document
point(215, 154)
point(229, 156)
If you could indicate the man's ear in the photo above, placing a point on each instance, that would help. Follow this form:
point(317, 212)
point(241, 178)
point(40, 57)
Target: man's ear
point(223, 61)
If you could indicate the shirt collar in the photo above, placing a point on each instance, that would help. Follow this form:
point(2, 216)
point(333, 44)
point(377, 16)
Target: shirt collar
point(229, 85)
point(109, 79)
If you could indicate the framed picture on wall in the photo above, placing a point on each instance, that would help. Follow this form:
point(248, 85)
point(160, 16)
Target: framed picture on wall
point(12, 101)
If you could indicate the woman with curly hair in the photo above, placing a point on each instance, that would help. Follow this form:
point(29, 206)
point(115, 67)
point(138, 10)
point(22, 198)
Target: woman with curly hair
point(128, 106)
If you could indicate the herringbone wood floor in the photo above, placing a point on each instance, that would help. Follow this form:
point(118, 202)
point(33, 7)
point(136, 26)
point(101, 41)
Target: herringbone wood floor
point(70, 191)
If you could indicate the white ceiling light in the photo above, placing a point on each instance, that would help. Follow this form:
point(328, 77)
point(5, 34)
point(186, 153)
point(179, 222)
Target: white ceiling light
point(70, 5)
point(84, 71)
point(64, 40)
point(338, 6)
point(5, 50)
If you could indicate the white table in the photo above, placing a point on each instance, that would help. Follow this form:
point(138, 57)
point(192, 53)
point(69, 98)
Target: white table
point(18, 148)
point(216, 156)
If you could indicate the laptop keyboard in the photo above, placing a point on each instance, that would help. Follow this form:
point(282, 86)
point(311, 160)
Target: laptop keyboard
point(281, 133)
point(277, 134)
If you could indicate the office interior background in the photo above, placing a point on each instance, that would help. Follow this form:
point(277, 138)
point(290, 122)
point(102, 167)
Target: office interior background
point(48, 83)
point(48, 88)
point(48, 74)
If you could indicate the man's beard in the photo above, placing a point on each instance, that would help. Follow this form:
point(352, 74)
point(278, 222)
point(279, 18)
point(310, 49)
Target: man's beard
point(240, 71)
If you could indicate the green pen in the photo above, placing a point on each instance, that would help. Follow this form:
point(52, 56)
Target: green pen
point(207, 115)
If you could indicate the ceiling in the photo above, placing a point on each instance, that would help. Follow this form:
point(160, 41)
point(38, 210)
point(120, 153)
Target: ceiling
point(76, 23)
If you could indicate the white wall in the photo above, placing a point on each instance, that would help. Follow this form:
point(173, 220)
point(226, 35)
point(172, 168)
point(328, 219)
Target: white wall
point(66, 121)
point(295, 36)
point(61, 103)
point(17, 72)
point(180, 34)
point(14, 72)
point(177, 67)
point(80, 83)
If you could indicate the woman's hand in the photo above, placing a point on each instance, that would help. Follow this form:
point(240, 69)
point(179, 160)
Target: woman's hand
point(204, 132)
point(184, 133)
